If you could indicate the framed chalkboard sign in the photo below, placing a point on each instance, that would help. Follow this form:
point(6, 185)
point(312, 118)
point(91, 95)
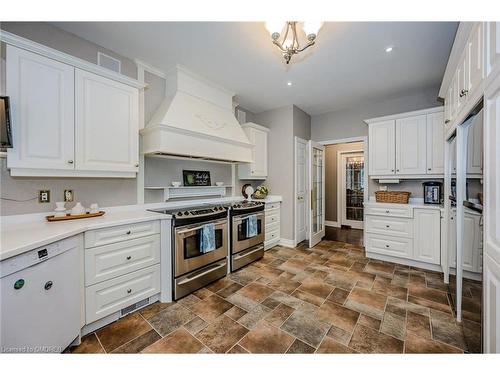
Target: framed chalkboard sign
point(196, 178)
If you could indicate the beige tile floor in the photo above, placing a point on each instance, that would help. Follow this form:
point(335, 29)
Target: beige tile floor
point(328, 299)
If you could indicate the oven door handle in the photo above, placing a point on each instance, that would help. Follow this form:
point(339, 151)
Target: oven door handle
point(244, 254)
point(187, 230)
point(189, 279)
point(238, 220)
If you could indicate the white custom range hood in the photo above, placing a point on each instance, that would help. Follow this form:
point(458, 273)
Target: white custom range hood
point(196, 120)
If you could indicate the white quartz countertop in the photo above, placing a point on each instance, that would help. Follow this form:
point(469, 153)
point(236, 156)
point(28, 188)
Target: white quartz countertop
point(412, 204)
point(19, 236)
point(21, 233)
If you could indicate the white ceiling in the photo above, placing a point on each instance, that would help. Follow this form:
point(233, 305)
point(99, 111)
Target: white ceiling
point(347, 65)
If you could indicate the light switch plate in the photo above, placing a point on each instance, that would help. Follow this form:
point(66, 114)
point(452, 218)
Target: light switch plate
point(68, 195)
point(43, 196)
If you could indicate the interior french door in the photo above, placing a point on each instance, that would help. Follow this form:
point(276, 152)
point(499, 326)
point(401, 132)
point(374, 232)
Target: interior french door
point(353, 180)
point(316, 228)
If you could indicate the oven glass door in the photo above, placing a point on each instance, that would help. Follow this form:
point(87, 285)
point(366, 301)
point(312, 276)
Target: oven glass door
point(188, 253)
point(241, 240)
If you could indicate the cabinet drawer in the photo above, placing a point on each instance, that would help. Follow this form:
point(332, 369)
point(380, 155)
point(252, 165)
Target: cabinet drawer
point(394, 246)
point(395, 226)
point(113, 295)
point(105, 262)
point(398, 211)
point(273, 218)
point(106, 236)
point(272, 206)
point(272, 234)
point(272, 227)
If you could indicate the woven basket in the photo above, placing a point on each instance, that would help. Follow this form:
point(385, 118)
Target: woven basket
point(392, 196)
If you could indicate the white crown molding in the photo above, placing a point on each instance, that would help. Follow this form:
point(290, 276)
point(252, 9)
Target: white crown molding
point(253, 125)
point(54, 54)
point(405, 114)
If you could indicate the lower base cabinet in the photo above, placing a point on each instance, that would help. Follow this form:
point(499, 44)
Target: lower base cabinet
point(404, 232)
point(473, 247)
point(273, 233)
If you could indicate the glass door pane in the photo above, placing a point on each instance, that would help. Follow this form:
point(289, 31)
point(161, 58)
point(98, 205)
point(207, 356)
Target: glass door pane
point(354, 184)
point(317, 191)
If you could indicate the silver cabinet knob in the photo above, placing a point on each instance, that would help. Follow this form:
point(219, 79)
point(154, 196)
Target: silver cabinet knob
point(387, 226)
point(70, 161)
point(129, 291)
point(446, 121)
point(387, 211)
point(128, 232)
point(129, 257)
point(392, 170)
point(137, 165)
point(397, 170)
point(429, 169)
point(463, 92)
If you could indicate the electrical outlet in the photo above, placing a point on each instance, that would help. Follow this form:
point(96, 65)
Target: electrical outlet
point(68, 195)
point(43, 196)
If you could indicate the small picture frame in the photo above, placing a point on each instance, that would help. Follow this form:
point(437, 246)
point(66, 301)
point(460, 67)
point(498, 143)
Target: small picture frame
point(196, 178)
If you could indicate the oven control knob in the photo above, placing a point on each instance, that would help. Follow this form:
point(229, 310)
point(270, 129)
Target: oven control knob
point(186, 212)
point(221, 208)
point(216, 208)
point(179, 213)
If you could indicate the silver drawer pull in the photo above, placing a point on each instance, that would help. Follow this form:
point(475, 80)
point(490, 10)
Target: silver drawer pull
point(189, 279)
point(129, 232)
point(387, 226)
point(386, 245)
point(129, 291)
point(129, 257)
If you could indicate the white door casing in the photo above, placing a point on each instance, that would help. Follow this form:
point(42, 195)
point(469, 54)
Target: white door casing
point(42, 108)
point(491, 243)
point(316, 172)
point(411, 142)
point(382, 150)
point(106, 124)
point(300, 189)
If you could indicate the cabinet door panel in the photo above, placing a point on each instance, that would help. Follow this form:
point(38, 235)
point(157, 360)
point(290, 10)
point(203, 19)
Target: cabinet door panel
point(411, 145)
point(470, 241)
point(448, 109)
point(462, 79)
point(42, 102)
point(259, 139)
point(492, 34)
point(435, 143)
point(382, 148)
point(107, 124)
point(427, 236)
point(475, 50)
point(475, 146)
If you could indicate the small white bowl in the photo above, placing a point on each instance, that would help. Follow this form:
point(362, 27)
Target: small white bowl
point(176, 183)
point(219, 184)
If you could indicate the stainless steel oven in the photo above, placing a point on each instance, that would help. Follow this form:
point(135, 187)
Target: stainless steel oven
point(192, 267)
point(246, 249)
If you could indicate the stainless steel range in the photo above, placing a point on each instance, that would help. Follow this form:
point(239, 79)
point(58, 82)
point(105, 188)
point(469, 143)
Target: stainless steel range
point(193, 268)
point(246, 246)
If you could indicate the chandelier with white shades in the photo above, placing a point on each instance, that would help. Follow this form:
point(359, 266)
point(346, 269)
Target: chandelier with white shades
point(285, 35)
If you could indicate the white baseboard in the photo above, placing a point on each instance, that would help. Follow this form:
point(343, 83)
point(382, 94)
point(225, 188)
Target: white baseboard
point(287, 243)
point(329, 223)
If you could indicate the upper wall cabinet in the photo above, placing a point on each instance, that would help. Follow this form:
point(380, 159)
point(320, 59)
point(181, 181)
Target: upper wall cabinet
point(69, 122)
point(42, 109)
point(411, 145)
point(406, 145)
point(257, 169)
point(382, 148)
point(492, 35)
point(106, 124)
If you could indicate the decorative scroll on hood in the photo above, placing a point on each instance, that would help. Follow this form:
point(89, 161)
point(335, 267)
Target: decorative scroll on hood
point(196, 120)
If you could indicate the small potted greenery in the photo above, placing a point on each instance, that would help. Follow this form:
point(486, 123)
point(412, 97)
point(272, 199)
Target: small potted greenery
point(261, 192)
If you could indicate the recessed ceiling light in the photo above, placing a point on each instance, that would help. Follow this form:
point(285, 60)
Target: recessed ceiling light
point(289, 83)
point(389, 49)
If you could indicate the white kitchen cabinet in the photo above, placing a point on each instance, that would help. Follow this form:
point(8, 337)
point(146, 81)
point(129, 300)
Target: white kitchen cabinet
point(475, 60)
point(257, 169)
point(106, 124)
point(472, 258)
point(427, 236)
point(382, 151)
point(411, 146)
point(448, 110)
point(272, 232)
point(475, 147)
point(435, 143)
point(69, 122)
point(41, 91)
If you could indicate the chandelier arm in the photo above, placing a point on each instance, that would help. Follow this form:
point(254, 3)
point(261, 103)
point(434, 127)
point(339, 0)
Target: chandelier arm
point(286, 33)
point(306, 46)
point(295, 42)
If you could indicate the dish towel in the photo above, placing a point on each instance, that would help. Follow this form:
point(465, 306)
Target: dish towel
point(207, 239)
point(251, 226)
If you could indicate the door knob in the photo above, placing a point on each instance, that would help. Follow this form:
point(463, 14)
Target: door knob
point(70, 161)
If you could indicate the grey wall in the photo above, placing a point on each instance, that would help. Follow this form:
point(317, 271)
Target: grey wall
point(104, 191)
point(331, 176)
point(61, 40)
point(301, 123)
point(348, 122)
point(280, 162)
